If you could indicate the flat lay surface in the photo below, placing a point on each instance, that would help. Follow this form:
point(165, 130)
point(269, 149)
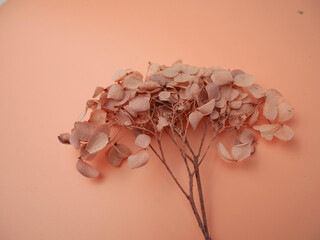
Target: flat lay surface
point(54, 54)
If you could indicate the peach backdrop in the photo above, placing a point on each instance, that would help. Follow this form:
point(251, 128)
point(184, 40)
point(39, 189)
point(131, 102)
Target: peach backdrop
point(54, 53)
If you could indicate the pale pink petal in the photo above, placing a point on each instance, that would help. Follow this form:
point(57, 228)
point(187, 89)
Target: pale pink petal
point(142, 140)
point(83, 130)
point(124, 118)
point(149, 86)
point(235, 104)
point(164, 95)
point(254, 117)
point(139, 104)
point(159, 79)
point(267, 130)
point(243, 80)
point(86, 170)
point(97, 91)
point(274, 96)
point(194, 118)
point(133, 81)
point(191, 90)
point(117, 153)
point(98, 117)
point(208, 72)
point(74, 140)
point(207, 108)
point(84, 155)
point(223, 153)
point(236, 72)
point(64, 138)
point(189, 69)
point(270, 110)
point(154, 67)
point(284, 133)
point(115, 92)
point(138, 159)
point(256, 90)
point(130, 111)
point(221, 102)
point(285, 112)
point(170, 72)
point(97, 142)
point(183, 77)
point(82, 115)
point(247, 136)
point(221, 77)
point(213, 91)
point(241, 151)
point(214, 115)
point(118, 75)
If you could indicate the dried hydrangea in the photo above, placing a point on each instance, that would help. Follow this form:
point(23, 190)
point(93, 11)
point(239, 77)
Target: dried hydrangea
point(173, 100)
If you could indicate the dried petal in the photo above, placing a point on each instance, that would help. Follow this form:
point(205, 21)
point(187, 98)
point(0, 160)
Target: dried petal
point(221, 77)
point(159, 79)
point(213, 91)
point(194, 118)
point(74, 140)
point(170, 72)
point(214, 115)
point(164, 95)
point(207, 108)
point(118, 75)
point(115, 92)
point(117, 153)
point(64, 138)
point(267, 130)
point(285, 112)
point(223, 153)
point(138, 159)
point(274, 96)
point(189, 69)
point(183, 77)
point(98, 117)
point(241, 151)
point(235, 104)
point(191, 90)
point(86, 170)
point(97, 91)
point(254, 117)
point(284, 133)
point(247, 136)
point(236, 72)
point(139, 104)
point(83, 130)
point(149, 86)
point(97, 142)
point(162, 122)
point(270, 110)
point(84, 155)
point(243, 80)
point(142, 140)
point(124, 118)
point(256, 90)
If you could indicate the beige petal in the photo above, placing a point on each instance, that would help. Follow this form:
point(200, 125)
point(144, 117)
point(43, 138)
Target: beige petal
point(74, 140)
point(221, 102)
point(170, 72)
point(236, 72)
point(132, 81)
point(130, 111)
point(245, 109)
point(235, 104)
point(274, 96)
point(83, 130)
point(159, 79)
point(190, 69)
point(191, 90)
point(213, 91)
point(138, 159)
point(247, 136)
point(241, 151)
point(267, 130)
point(149, 86)
point(284, 133)
point(86, 170)
point(115, 92)
point(112, 104)
point(229, 93)
point(97, 91)
point(242, 95)
point(223, 153)
point(139, 104)
point(97, 142)
point(183, 77)
point(243, 80)
point(119, 75)
point(64, 138)
point(154, 67)
point(98, 117)
point(142, 140)
point(254, 117)
point(285, 112)
point(194, 118)
point(256, 90)
point(270, 110)
point(208, 72)
point(207, 108)
point(117, 153)
point(214, 115)
point(221, 77)
point(124, 118)
point(164, 95)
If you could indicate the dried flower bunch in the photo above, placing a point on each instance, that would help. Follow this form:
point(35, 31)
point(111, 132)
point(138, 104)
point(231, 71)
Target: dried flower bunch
point(173, 100)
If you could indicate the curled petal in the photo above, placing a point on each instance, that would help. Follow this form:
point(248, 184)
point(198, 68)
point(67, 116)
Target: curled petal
point(97, 91)
point(74, 140)
point(64, 138)
point(223, 153)
point(247, 136)
point(86, 170)
point(241, 151)
point(207, 108)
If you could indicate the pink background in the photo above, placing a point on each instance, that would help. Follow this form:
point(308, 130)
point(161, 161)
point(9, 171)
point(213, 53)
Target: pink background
point(54, 53)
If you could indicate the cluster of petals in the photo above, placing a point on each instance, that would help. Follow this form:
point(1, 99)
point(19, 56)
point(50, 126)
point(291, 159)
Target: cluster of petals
point(169, 94)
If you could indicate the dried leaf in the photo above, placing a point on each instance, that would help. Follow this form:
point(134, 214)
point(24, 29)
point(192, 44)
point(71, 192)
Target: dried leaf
point(142, 140)
point(97, 91)
point(64, 138)
point(243, 80)
point(98, 117)
point(194, 118)
point(138, 159)
point(86, 170)
point(97, 142)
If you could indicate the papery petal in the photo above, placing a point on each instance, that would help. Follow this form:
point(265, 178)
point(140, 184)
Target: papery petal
point(98, 117)
point(115, 92)
point(97, 91)
point(221, 77)
point(247, 136)
point(254, 117)
point(64, 138)
point(235, 104)
point(207, 108)
point(117, 153)
point(138, 159)
point(97, 142)
point(270, 110)
point(162, 122)
point(223, 153)
point(183, 77)
point(164, 95)
point(170, 72)
point(285, 112)
point(241, 151)
point(243, 80)
point(118, 75)
point(284, 133)
point(139, 104)
point(86, 170)
point(189, 69)
point(194, 118)
point(159, 79)
point(83, 130)
point(213, 91)
point(256, 90)
point(274, 96)
point(74, 140)
point(142, 140)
